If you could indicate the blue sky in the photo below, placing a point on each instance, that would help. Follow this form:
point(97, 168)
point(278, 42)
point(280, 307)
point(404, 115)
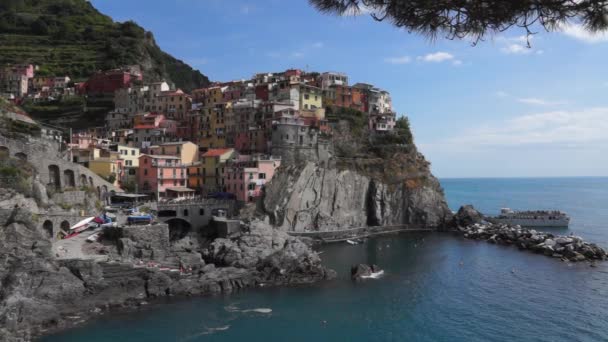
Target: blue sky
point(497, 109)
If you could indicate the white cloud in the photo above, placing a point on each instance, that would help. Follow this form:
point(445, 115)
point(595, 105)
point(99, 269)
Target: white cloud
point(398, 60)
point(516, 49)
point(297, 54)
point(501, 93)
point(539, 102)
point(457, 62)
point(571, 128)
point(578, 32)
point(436, 57)
point(318, 45)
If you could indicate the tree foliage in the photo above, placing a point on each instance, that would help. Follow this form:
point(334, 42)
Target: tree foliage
point(474, 18)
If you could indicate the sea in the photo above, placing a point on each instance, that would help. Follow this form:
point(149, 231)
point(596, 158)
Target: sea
point(436, 286)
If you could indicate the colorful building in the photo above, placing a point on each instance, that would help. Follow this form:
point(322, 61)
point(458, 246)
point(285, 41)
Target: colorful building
point(162, 177)
point(186, 151)
point(212, 163)
point(246, 176)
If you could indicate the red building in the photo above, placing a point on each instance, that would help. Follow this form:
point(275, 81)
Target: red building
point(262, 92)
point(107, 82)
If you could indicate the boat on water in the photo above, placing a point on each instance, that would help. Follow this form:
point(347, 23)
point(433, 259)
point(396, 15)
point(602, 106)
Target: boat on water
point(532, 218)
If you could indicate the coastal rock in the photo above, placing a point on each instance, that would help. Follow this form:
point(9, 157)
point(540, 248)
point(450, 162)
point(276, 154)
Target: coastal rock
point(467, 215)
point(361, 271)
point(571, 248)
point(311, 197)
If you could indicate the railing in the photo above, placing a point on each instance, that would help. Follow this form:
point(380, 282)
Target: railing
point(180, 177)
point(358, 232)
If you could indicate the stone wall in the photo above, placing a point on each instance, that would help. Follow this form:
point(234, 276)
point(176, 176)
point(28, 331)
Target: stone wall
point(53, 168)
point(197, 214)
point(71, 198)
point(296, 143)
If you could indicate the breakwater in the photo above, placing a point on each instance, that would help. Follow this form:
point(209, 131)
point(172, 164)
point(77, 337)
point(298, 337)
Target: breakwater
point(567, 248)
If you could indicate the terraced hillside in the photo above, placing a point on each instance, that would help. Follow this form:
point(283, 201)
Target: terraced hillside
point(70, 37)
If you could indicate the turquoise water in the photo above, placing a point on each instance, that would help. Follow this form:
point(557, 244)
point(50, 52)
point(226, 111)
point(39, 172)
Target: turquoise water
point(437, 287)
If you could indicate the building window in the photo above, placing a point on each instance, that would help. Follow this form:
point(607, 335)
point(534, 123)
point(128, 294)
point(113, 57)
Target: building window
point(185, 212)
point(262, 176)
point(201, 212)
point(145, 161)
point(241, 186)
point(174, 183)
point(132, 152)
point(145, 172)
point(250, 175)
point(306, 97)
point(251, 186)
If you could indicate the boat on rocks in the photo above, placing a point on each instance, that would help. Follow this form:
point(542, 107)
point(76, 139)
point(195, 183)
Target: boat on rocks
point(532, 218)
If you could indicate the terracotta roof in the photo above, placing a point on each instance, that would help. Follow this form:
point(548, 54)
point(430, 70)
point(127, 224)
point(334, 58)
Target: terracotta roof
point(144, 127)
point(216, 152)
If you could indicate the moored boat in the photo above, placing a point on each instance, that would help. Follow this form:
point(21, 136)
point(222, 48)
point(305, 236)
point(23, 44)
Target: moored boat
point(532, 218)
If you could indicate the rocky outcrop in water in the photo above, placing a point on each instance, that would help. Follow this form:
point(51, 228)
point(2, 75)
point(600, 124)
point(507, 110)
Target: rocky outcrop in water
point(567, 248)
point(313, 197)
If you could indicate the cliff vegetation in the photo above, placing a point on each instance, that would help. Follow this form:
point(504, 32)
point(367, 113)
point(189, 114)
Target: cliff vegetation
point(70, 37)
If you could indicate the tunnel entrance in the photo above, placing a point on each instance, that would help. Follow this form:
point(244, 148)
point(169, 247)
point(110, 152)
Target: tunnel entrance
point(178, 229)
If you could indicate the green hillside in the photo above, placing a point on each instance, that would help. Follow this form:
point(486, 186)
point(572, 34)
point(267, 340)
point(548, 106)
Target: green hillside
point(70, 37)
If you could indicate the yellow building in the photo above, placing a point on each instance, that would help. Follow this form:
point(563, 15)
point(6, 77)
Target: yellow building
point(212, 165)
point(129, 157)
point(311, 98)
point(105, 167)
point(185, 150)
point(213, 126)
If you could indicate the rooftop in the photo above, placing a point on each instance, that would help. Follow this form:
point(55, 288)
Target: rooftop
point(216, 152)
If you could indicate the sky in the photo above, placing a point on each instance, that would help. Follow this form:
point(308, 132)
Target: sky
point(497, 109)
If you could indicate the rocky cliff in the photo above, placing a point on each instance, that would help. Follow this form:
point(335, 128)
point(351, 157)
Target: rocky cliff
point(373, 183)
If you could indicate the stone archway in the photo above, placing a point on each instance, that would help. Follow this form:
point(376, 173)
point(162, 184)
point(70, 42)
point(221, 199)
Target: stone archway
point(54, 176)
point(4, 152)
point(47, 226)
point(65, 226)
point(69, 179)
point(178, 228)
point(21, 155)
point(83, 180)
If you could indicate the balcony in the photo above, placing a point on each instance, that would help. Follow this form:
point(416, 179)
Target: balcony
point(176, 177)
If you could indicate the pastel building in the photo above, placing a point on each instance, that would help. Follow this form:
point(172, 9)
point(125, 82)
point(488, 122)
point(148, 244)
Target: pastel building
point(212, 163)
point(186, 151)
point(163, 177)
point(246, 176)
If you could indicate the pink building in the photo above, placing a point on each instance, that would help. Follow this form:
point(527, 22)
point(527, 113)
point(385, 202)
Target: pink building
point(162, 176)
point(246, 176)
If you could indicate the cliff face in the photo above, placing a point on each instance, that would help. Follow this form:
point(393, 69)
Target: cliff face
point(343, 193)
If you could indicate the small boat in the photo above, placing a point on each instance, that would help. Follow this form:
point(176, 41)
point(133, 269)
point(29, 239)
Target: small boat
point(352, 242)
point(82, 225)
point(532, 218)
point(138, 218)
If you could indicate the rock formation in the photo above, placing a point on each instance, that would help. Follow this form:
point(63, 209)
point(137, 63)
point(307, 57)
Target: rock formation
point(567, 248)
point(40, 294)
point(375, 192)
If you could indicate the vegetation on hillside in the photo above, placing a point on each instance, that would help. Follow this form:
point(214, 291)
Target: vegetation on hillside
point(73, 111)
point(70, 37)
point(15, 174)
